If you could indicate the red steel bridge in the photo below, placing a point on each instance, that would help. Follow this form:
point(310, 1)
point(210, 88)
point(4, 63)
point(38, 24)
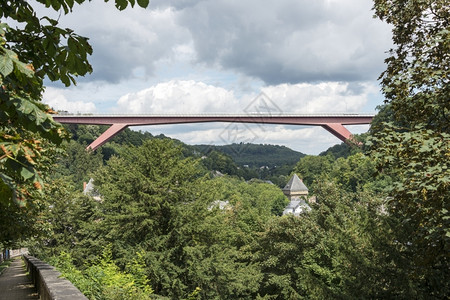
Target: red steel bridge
point(334, 123)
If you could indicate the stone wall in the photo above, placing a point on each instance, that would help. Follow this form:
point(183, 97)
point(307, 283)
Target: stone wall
point(48, 282)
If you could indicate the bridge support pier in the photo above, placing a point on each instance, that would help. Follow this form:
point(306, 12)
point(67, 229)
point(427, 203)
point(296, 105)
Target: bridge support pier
point(339, 131)
point(107, 135)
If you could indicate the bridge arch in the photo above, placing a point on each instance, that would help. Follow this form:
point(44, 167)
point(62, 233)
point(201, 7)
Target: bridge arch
point(334, 123)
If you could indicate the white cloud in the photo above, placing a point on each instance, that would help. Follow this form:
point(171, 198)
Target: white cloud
point(276, 41)
point(325, 97)
point(288, 40)
point(189, 96)
point(178, 97)
point(58, 101)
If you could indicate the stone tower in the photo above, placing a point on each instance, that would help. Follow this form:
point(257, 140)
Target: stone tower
point(297, 193)
point(295, 189)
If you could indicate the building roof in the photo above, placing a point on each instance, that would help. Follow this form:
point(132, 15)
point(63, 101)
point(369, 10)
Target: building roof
point(220, 204)
point(296, 207)
point(89, 188)
point(293, 204)
point(295, 184)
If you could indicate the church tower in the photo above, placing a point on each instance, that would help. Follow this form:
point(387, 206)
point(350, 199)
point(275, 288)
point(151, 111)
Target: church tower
point(295, 189)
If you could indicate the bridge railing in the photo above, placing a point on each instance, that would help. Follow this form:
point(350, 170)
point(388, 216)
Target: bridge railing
point(48, 282)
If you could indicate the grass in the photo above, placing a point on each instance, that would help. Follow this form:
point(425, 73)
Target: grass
point(4, 265)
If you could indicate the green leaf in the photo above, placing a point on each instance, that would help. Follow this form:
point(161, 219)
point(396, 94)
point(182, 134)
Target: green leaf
point(70, 3)
point(56, 5)
point(72, 43)
point(121, 4)
point(23, 68)
point(143, 3)
point(26, 174)
point(6, 65)
point(65, 79)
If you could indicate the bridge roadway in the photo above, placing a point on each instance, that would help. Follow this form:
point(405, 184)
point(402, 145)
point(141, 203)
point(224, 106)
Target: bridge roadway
point(334, 123)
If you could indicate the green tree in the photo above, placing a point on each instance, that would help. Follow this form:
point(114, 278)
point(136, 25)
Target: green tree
point(158, 201)
point(19, 219)
point(141, 187)
point(69, 223)
point(339, 250)
point(36, 48)
point(413, 147)
point(141, 190)
point(77, 164)
point(353, 172)
point(218, 161)
point(311, 167)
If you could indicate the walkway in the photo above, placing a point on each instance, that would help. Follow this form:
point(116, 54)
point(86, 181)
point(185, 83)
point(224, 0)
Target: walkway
point(15, 284)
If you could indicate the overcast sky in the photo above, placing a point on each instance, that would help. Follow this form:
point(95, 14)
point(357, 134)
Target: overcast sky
point(200, 56)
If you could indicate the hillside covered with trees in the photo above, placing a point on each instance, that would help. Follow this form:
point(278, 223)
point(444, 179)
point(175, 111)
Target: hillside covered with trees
point(256, 155)
point(157, 211)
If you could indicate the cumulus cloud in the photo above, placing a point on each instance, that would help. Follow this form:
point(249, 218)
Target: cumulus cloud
point(58, 101)
point(189, 97)
point(288, 40)
point(285, 41)
point(182, 97)
point(123, 41)
point(324, 97)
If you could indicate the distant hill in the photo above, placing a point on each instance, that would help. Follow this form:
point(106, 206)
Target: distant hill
point(338, 150)
point(253, 155)
point(256, 155)
point(344, 150)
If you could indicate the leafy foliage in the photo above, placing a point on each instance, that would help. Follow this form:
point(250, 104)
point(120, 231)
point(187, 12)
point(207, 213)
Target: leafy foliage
point(311, 167)
point(77, 165)
point(103, 279)
point(160, 205)
point(336, 251)
point(412, 145)
point(345, 150)
point(25, 127)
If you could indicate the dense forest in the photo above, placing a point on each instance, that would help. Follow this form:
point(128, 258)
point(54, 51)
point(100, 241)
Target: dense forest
point(155, 224)
point(165, 221)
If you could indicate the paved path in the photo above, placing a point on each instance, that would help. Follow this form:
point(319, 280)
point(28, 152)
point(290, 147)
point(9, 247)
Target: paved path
point(15, 284)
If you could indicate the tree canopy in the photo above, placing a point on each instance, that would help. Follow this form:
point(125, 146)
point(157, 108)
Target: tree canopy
point(412, 144)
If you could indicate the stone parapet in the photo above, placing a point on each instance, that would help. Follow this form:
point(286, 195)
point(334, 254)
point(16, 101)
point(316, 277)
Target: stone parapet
point(48, 282)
